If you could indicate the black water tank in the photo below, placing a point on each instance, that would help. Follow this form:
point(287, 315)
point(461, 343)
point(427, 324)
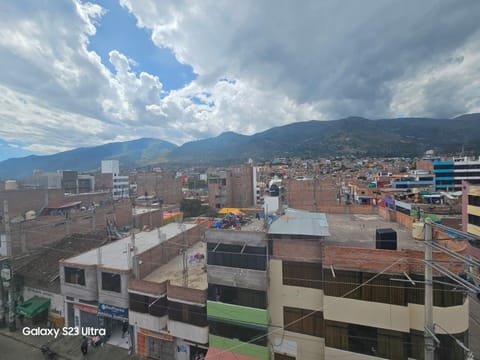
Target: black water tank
point(386, 239)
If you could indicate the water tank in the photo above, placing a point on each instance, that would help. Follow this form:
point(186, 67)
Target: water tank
point(386, 239)
point(11, 185)
point(418, 232)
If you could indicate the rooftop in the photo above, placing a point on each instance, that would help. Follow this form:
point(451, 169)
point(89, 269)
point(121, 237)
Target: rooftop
point(173, 270)
point(359, 230)
point(116, 254)
point(299, 222)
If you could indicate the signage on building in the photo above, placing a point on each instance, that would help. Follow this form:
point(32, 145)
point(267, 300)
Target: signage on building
point(85, 308)
point(156, 335)
point(114, 312)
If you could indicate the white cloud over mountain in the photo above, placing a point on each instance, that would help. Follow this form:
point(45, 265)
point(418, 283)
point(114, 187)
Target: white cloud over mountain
point(258, 65)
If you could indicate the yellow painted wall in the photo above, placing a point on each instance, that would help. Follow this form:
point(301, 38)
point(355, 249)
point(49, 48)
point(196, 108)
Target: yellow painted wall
point(473, 229)
point(279, 295)
point(474, 210)
point(336, 354)
point(453, 319)
point(367, 313)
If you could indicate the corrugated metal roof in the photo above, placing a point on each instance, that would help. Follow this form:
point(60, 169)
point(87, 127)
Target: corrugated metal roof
point(299, 222)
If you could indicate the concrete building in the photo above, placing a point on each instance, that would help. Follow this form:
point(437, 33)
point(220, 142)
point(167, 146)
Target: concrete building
point(219, 189)
point(163, 186)
point(110, 167)
point(333, 296)
point(449, 174)
point(471, 208)
point(95, 283)
point(167, 308)
point(237, 293)
point(232, 187)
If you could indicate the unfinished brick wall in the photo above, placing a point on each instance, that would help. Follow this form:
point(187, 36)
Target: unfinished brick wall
point(22, 200)
point(297, 248)
point(163, 185)
point(147, 287)
point(186, 294)
point(376, 260)
point(164, 252)
point(310, 194)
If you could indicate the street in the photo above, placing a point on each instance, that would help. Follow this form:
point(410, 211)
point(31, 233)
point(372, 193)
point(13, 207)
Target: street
point(13, 349)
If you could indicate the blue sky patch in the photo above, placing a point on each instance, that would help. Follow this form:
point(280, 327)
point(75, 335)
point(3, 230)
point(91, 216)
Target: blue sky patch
point(117, 30)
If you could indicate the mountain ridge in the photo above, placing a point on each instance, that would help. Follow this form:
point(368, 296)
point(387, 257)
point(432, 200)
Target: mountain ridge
point(355, 136)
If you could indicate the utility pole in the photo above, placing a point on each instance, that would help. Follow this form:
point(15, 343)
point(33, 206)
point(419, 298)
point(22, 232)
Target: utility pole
point(134, 248)
point(429, 331)
point(9, 278)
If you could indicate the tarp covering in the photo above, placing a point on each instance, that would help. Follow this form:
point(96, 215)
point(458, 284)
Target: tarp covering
point(235, 211)
point(33, 306)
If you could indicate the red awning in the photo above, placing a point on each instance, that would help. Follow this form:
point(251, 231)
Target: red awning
point(218, 354)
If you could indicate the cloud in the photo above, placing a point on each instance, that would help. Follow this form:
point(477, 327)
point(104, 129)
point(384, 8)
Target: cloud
point(259, 65)
point(341, 59)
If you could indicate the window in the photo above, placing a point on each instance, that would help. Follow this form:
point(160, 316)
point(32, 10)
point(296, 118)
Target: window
point(74, 275)
point(302, 274)
point(367, 340)
point(474, 219)
point(238, 296)
point(241, 333)
point(155, 306)
point(191, 314)
point(303, 321)
point(474, 200)
point(238, 256)
point(111, 282)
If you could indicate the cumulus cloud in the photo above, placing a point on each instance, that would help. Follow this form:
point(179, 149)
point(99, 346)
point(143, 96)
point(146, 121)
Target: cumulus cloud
point(259, 64)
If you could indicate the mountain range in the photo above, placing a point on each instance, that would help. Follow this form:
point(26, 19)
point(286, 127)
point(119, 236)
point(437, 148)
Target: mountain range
point(351, 136)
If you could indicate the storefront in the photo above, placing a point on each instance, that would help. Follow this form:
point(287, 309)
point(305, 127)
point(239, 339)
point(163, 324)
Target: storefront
point(86, 315)
point(115, 320)
point(155, 345)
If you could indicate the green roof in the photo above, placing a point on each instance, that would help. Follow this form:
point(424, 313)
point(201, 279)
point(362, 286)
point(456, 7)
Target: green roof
point(33, 306)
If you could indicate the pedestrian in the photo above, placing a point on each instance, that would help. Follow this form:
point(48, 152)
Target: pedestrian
point(84, 346)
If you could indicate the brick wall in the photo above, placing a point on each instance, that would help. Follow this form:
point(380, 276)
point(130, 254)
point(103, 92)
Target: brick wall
point(296, 248)
point(378, 259)
point(186, 294)
point(164, 185)
point(147, 287)
point(164, 252)
point(20, 201)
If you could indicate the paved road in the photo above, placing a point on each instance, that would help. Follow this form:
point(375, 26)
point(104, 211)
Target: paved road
point(13, 349)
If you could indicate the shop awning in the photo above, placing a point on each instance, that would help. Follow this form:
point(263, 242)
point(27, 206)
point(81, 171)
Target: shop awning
point(218, 354)
point(33, 306)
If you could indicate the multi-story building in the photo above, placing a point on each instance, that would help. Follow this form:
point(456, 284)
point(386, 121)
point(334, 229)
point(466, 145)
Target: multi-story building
point(471, 208)
point(237, 294)
point(332, 296)
point(219, 188)
point(232, 187)
point(167, 307)
point(95, 284)
point(164, 186)
point(449, 174)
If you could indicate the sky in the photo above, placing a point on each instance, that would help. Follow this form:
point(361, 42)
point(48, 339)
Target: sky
point(78, 73)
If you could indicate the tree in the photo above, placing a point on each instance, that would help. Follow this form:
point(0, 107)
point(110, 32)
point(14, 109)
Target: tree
point(191, 207)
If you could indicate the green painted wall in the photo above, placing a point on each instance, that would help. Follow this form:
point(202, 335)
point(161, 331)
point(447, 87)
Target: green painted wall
point(238, 347)
point(237, 313)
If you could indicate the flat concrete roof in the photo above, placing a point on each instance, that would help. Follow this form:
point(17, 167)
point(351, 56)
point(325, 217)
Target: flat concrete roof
point(115, 254)
point(173, 270)
point(359, 230)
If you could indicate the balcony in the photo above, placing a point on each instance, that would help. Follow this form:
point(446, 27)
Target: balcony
point(239, 347)
point(237, 313)
point(237, 277)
